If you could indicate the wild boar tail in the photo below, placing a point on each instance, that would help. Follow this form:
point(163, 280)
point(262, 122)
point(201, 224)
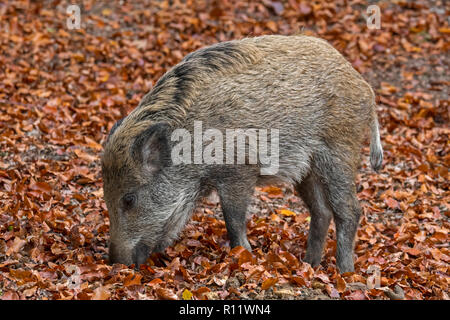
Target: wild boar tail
point(376, 150)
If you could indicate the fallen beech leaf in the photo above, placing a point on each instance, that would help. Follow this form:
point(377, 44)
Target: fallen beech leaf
point(93, 144)
point(220, 281)
point(391, 203)
point(269, 282)
point(298, 280)
point(245, 256)
point(154, 282)
point(16, 246)
point(237, 251)
point(272, 26)
point(85, 156)
point(340, 284)
point(273, 192)
point(322, 277)
point(9, 295)
point(30, 292)
point(132, 279)
point(200, 292)
point(166, 294)
point(412, 251)
point(286, 212)
point(41, 186)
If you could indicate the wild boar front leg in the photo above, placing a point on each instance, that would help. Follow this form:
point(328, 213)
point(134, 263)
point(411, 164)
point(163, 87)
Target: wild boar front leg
point(235, 194)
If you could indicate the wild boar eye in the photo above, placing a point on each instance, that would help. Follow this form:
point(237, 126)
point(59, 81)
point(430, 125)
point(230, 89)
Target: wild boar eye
point(128, 201)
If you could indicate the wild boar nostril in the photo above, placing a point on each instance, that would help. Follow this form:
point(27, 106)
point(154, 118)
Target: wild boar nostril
point(140, 254)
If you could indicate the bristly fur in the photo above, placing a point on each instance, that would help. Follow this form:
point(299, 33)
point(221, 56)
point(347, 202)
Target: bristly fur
point(175, 92)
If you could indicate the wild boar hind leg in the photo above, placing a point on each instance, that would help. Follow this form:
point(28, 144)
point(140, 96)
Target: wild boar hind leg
point(312, 193)
point(337, 174)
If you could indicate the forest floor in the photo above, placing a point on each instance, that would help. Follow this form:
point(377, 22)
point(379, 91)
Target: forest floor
point(62, 89)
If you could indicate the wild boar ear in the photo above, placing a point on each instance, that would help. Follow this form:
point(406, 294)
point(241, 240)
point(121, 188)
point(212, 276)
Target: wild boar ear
point(151, 147)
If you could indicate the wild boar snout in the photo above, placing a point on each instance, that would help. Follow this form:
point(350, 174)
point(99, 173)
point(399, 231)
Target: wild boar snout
point(136, 255)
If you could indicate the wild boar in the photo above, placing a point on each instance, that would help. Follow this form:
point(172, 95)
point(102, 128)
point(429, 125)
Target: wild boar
point(317, 105)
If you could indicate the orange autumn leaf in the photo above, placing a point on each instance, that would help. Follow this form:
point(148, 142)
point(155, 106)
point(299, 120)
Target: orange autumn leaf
point(166, 294)
point(41, 186)
point(273, 192)
point(154, 281)
point(341, 285)
point(15, 246)
point(286, 212)
point(132, 279)
point(269, 282)
point(391, 203)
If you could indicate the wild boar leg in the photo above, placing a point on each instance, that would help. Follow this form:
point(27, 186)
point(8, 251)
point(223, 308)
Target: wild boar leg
point(346, 217)
point(337, 172)
point(235, 194)
point(312, 193)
